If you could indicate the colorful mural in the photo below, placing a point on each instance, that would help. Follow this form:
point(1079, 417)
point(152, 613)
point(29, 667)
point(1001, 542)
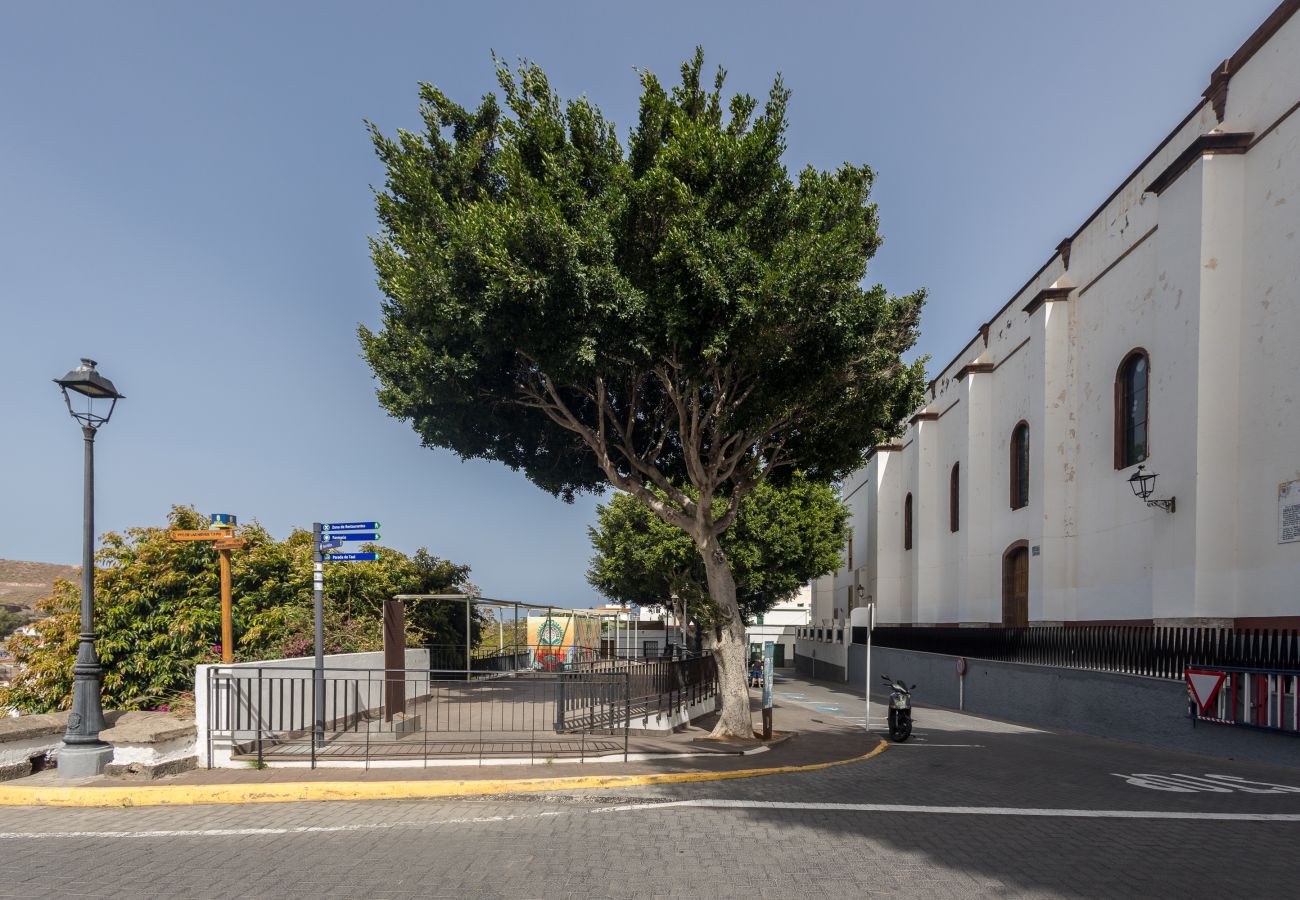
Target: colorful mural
point(556, 640)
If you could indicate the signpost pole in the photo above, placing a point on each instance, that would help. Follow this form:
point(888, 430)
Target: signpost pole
point(227, 614)
point(221, 534)
point(871, 623)
point(318, 598)
point(468, 602)
point(769, 665)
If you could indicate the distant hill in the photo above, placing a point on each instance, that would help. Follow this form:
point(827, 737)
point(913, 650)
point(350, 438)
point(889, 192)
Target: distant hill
point(23, 583)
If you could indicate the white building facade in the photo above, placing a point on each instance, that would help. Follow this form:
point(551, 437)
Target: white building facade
point(781, 625)
point(1164, 333)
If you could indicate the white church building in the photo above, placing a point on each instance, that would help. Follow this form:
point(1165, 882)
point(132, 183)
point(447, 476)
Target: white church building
point(1161, 338)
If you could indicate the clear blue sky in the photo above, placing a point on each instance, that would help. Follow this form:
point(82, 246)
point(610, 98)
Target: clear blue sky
point(184, 195)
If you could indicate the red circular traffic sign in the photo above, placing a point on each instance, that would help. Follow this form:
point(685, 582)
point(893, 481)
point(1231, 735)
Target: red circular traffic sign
point(961, 665)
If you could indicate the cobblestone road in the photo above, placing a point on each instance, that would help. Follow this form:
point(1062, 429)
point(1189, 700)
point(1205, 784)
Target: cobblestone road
point(986, 810)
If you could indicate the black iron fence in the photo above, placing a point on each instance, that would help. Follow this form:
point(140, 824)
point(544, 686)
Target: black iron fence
point(269, 713)
point(451, 658)
point(1155, 651)
point(661, 685)
point(418, 717)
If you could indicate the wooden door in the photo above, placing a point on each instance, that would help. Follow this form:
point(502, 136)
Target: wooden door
point(1015, 587)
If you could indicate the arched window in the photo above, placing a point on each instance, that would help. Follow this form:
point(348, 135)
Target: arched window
point(907, 523)
point(954, 498)
point(1131, 394)
point(1020, 466)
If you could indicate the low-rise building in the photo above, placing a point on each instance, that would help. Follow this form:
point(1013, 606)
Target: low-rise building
point(781, 625)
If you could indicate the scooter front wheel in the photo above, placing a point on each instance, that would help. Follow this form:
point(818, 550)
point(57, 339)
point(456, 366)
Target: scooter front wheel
point(900, 727)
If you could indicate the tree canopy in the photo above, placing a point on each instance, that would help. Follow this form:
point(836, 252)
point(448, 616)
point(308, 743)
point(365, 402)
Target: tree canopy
point(783, 537)
point(158, 612)
point(677, 311)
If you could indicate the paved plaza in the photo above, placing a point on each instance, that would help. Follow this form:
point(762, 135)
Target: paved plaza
point(969, 808)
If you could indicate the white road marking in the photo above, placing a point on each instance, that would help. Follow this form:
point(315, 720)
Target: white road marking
point(1216, 784)
point(676, 804)
point(252, 832)
point(963, 810)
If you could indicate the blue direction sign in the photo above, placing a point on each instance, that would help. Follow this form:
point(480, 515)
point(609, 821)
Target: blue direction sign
point(350, 526)
point(352, 536)
point(329, 545)
point(351, 557)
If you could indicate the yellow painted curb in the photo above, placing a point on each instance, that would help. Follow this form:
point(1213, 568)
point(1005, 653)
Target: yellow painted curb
point(189, 794)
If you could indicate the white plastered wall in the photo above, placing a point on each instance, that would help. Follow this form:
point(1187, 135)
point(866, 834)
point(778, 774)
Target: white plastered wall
point(1205, 277)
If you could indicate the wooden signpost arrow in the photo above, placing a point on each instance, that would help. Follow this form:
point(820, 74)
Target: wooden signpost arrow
point(214, 534)
point(223, 541)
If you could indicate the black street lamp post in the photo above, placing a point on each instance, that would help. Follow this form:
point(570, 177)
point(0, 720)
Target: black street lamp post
point(83, 753)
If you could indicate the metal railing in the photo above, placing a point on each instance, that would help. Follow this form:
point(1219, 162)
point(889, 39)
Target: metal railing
point(1155, 651)
point(419, 717)
point(451, 658)
point(1255, 698)
point(659, 686)
point(266, 713)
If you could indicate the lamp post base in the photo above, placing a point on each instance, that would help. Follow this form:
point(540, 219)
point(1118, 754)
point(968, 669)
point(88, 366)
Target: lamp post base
point(84, 760)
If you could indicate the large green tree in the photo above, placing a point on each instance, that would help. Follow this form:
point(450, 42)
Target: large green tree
point(783, 537)
point(679, 311)
point(158, 612)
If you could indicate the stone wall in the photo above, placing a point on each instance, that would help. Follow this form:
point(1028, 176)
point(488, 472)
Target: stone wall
point(1122, 707)
point(30, 741)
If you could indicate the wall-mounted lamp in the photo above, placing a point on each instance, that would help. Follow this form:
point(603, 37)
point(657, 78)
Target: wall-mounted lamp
point(1143, 484)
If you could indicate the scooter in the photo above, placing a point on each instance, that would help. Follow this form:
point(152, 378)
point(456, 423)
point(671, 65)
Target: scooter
point(900, 709)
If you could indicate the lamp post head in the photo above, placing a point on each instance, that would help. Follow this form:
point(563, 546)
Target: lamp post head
point(1142, 482)
point(97, 390)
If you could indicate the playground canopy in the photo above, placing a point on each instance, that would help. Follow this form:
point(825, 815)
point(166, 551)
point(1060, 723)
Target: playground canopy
point(557, 636)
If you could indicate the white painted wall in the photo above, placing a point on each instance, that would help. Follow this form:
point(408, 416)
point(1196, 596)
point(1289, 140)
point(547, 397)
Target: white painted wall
point(214, 697)
point(1206, 278)
point(781, 624)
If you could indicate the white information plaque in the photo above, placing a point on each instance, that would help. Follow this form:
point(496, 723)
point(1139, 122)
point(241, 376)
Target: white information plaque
point(1288, 512)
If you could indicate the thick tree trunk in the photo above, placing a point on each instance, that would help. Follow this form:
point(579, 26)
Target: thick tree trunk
point(731, 649)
